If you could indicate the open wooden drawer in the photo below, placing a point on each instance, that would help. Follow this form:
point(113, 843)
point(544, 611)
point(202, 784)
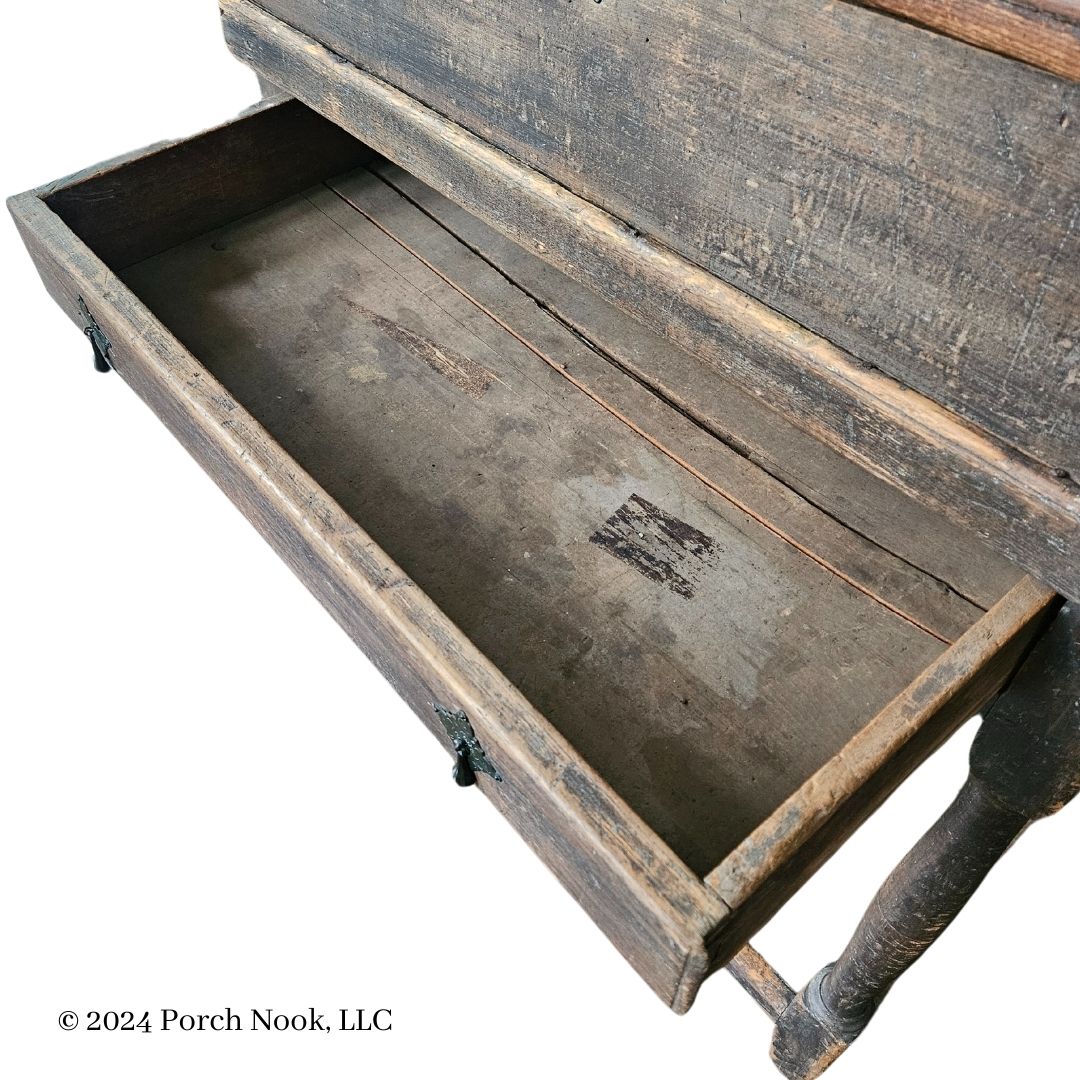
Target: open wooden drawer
point(685, 647)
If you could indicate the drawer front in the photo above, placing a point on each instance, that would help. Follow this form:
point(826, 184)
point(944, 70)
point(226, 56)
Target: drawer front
point(651, 907)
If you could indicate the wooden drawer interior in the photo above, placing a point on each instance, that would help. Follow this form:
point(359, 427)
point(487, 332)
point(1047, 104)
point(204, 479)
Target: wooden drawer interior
point(716, 643)
point(707, 607)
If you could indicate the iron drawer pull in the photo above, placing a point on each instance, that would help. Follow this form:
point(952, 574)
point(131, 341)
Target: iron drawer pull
point(98, 341)
point(464, 773)
point(469, 754)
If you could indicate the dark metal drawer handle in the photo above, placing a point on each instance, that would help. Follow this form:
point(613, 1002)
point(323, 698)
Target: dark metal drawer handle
point(470, 755)
point(98, 341)
point(464, 774)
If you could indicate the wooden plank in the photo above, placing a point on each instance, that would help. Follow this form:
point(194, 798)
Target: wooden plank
point(761, 981)
point(1044, 33)
point(217, 176)
point(654, 910)
point(1020, 507)
point(867, 506)
point(774, 860)
point(897, 584)
point(671, 637)
point(910, 198)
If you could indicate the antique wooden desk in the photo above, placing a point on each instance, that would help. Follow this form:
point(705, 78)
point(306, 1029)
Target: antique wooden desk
point(679, 403)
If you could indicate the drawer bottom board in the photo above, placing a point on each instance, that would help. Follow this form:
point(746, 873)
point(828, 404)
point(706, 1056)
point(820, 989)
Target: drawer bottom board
point(701, 663)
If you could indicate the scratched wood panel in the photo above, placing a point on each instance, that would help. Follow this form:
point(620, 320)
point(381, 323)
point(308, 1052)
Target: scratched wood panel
point(921, 596)
point(700, 663)
point(867, 506)
point(910, 197)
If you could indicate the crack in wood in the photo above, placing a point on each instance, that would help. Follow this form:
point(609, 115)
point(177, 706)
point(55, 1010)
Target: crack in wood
point(651, 439)
point(729, 440)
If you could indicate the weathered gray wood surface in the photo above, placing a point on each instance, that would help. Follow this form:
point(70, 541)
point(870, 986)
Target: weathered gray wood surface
point(865, 505)
point(403, 384)
point(673, 639)
point(1018, 504)
point(919, 595)
point(911, 198)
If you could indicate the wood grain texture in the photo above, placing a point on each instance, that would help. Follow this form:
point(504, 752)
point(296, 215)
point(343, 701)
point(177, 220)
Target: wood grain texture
point(671, 637)
point(778, 857)
point(910, 198)
point(1044, 33)
point(654, 910)
point(866, 506)
point(218, 176)
point(398, 308)
point(1019, 506)
point(493, 287)
point(761, 981)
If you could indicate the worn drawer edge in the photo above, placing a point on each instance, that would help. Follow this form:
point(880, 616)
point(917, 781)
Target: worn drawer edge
point(801, 834)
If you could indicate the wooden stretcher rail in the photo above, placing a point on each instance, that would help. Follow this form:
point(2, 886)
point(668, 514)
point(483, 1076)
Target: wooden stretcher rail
point(1015, 503)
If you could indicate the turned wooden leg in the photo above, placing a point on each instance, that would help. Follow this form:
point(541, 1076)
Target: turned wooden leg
point(1025, 764)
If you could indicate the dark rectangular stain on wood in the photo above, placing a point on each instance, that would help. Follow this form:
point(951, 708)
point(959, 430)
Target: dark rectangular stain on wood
point(657, 545)
point(464, 372)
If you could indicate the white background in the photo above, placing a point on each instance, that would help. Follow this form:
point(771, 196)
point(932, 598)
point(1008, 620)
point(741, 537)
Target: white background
point(192, 814)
